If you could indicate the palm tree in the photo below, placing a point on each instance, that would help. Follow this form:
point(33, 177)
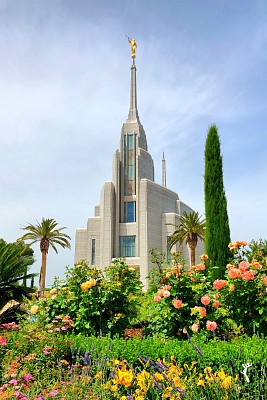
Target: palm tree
point(191, 229)
point(47, 234)
point(14, 265)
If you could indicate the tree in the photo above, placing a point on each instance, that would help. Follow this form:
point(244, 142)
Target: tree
point(14, 265)
point(191, 229)
point(217, 235)
point(48, 235)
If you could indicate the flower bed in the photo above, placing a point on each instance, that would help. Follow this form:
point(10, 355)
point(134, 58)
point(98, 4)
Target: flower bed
point(37, 365)
point(201, 339)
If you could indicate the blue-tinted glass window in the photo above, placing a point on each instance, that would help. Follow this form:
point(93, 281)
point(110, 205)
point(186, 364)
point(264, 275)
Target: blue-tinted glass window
point(130, 142)
point(131, 211)
point(93, 252)
point(127, 246)
point(125, 212)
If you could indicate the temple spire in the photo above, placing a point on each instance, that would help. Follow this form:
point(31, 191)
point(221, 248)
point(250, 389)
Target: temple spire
point(163, 171)
point(133, 112)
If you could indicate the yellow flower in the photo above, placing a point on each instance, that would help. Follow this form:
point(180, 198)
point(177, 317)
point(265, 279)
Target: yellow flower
point(125, 378)
point(200, 382)
point(158, 377)
point(85, 286)
point(144, 380)
point(34, 309)
point(209, 374)
point(226, 383)
point(53, 291)
point(65, 362)
point(54, 297)
point(64, 289)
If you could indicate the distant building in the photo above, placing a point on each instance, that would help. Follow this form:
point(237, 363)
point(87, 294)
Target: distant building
point(134, 212)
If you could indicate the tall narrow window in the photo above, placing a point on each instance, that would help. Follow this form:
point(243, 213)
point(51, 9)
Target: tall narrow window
point(129, 164)
point(93, 252)
point(127, 246)
point(129, 211)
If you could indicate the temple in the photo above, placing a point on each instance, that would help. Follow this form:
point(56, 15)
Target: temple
point(135, 214)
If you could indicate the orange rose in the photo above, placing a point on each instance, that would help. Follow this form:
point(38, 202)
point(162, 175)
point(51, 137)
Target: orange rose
point(205, 300)
point(219, 284)
point(215, 304)
point(194, 328)
point(248, 275)
point(211, 325)
point(177, 303)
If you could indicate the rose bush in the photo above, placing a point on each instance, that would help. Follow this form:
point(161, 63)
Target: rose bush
point(94, 301)
point(186, 298)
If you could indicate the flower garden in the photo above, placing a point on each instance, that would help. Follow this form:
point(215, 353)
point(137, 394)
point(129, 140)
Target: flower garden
point(200, 339)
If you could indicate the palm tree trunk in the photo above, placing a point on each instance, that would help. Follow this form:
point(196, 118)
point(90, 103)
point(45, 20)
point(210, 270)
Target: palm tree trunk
point(192, 256)
point(43, 271)
point(192, 243)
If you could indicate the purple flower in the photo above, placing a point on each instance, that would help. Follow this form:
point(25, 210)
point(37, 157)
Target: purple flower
point(28, 377)
point(53, 393)
point(13, 382)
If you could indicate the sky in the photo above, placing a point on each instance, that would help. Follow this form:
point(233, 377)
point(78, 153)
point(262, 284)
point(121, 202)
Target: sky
point(64, 95)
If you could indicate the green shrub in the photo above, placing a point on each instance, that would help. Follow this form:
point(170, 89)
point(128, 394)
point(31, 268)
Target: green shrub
point(97, 303)
point(190, 300)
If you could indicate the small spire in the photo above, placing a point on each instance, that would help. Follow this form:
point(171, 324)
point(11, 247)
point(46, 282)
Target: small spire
point(163, 171)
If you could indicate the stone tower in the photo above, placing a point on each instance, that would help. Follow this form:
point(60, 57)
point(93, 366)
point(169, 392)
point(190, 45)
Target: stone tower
point(135, 214)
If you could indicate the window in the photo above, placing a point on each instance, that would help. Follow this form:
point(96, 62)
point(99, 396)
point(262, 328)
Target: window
point(127, 246)
point(129, 211)
point(93, 252)
point(129, 164)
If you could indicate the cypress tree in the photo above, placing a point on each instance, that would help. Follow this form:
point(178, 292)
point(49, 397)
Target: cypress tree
point(217, 236)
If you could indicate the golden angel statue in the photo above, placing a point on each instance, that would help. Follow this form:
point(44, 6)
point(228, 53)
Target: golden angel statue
point(133, 46)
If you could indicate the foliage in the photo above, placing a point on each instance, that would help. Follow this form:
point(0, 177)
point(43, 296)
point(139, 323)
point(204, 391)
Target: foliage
point(245, 294)
point(257, 249)
point(14, 265)
point(191, 229)
point(47, 234)
point(178, 299)
point(191, 300)
point(217, 234)
point(38, 364)
point(95, 302)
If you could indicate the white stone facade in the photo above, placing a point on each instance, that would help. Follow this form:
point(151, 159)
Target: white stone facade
point(134, 212)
